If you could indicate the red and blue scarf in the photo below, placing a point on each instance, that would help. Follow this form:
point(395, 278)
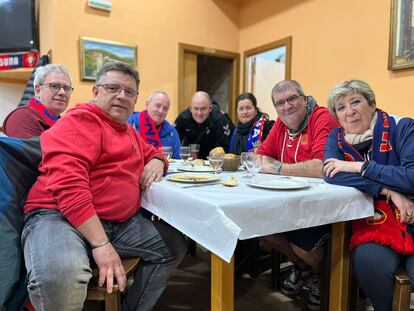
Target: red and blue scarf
point(148, 129)
point(384, 227)
point(49, 117)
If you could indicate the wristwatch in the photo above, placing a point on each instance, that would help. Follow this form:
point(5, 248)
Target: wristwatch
point(278, 166)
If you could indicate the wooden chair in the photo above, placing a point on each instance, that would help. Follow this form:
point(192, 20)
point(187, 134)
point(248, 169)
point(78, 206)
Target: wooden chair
point(402, 292)
point(113, 300)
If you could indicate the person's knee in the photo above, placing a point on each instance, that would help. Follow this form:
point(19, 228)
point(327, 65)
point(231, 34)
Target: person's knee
point(60, 275)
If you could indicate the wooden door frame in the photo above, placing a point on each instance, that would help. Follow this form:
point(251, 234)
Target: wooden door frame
point(266, 47)
point(233, 79)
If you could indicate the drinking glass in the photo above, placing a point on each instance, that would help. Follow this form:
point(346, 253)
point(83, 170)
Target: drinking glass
point(243, 159)
point(216, 162)
point(194, 150)
point(185, 153)
point(166, 150)
point(254, 163)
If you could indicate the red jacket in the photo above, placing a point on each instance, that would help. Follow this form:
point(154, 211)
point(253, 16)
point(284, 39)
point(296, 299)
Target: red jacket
point(90, 165)
point(309, 144)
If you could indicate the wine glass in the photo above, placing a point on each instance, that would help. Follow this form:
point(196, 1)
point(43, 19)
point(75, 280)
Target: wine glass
point(254, 163)
point(184, 153)
point(243, 159)
point(216, 162)
point(194, 150)
point(166, 150)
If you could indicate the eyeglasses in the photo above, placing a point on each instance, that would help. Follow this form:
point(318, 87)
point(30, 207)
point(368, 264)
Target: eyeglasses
point(116, 89)
point(290, 100)
point(56, 87)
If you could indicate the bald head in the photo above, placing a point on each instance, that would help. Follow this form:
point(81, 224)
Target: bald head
point(200, 106)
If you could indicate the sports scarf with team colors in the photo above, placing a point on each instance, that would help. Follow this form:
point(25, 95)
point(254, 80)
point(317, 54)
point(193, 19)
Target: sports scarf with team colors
point(46, 113)
point(148, 129)
point(384, 227)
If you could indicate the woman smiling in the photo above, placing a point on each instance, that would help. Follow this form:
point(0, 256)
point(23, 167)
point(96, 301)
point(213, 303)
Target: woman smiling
point(253, 126)
point(374, 152)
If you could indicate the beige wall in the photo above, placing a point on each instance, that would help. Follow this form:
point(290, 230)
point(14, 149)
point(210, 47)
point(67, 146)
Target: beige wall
point(155, 26)
point(333, 40)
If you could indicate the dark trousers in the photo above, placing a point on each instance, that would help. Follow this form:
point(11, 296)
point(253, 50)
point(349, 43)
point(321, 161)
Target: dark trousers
point(375, 266)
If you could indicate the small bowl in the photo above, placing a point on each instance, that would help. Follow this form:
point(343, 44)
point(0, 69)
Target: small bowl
point(231, 164)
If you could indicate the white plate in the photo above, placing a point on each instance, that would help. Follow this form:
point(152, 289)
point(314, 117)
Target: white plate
point(279, 183)
point(192, 178)
point(196, 169)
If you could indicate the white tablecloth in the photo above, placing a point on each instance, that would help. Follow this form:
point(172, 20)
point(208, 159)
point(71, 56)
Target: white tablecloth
point(216, 216)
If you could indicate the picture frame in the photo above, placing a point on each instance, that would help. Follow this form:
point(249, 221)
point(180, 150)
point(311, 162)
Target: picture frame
point(401, 48)
point(94, 53)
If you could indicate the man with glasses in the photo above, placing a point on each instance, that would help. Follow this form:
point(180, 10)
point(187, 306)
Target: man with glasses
point(295, 147)
point(85, 204)
point(53, 87)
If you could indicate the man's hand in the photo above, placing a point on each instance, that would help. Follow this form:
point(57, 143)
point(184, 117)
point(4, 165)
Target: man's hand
point(333, 166)
point(109, 265)
point(268, 164)
point(153, 172)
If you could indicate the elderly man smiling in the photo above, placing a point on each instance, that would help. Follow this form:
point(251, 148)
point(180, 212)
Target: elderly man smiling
point(153, 127)
point(53, 87)
point(295, 147)
point(85, 203)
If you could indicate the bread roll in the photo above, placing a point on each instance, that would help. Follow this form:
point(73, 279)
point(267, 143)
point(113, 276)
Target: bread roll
point(217, 152)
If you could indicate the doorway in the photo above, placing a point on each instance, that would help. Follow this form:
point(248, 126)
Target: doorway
point(265, 66)
point(213, 71)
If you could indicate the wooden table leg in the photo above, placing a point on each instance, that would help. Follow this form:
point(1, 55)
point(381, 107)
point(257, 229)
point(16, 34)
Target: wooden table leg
point(222, 284)
point(339, 285)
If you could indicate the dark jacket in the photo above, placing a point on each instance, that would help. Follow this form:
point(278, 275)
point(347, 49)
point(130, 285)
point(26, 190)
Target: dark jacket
point(214, 132)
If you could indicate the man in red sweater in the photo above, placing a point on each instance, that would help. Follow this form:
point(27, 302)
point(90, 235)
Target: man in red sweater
point(295, 147)
point(85, 203)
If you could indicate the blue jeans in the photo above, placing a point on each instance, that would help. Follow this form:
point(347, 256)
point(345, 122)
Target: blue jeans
point(57, 259)
point(375, 266)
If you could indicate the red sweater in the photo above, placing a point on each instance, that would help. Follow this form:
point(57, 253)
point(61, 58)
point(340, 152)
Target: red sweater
point(90, 165)
point(25, 122)
point(309, 144)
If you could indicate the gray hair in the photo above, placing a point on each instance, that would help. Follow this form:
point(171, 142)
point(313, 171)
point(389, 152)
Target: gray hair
point(42, 71)
point(347, 87)
point(151, 97)
point(117, 66)
point(285, 85)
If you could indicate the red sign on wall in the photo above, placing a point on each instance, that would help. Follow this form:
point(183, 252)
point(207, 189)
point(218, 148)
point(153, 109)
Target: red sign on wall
point(19, 60)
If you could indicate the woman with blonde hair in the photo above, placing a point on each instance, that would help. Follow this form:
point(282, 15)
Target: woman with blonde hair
point(374, 152)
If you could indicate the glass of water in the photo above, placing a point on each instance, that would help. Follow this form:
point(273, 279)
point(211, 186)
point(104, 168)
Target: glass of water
point(243, 160)
point(253, 162)
point(166, 150)
point(185, 152)
point(216, 162)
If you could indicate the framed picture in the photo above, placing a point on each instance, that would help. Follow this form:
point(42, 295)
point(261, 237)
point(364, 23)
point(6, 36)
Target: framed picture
point(94, 53)
point(401, 50)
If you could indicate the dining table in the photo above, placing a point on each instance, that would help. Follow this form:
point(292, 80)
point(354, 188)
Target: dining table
point(198, 203)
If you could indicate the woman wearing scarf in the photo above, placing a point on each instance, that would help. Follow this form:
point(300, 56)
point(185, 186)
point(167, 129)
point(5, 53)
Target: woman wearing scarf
point(253, 126)
point(53, 87)
point(374, 152)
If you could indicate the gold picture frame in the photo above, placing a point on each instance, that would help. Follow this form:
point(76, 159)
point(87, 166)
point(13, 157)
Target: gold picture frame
point(401, 49)
point(94, 53)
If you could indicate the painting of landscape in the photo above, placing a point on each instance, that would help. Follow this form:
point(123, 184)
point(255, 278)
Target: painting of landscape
point(95, 53)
